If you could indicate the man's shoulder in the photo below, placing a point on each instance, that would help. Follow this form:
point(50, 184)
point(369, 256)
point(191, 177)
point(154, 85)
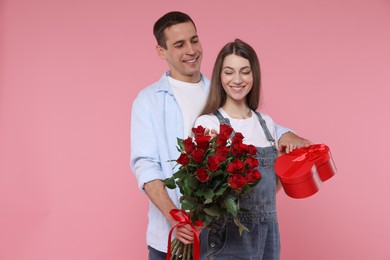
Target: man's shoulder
point(153, 88)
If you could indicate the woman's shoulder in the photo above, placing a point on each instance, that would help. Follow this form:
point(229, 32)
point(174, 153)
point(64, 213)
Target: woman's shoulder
point(208, 120)
point(207, 117)
point(266, 117)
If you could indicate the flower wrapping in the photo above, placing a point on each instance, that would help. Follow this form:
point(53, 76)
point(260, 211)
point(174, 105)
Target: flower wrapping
point(302, 171)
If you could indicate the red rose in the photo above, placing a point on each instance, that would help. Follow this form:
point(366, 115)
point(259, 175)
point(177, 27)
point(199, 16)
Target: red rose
point(221, 153)
point(239, 148)
point(221, 141)
point(199, 223)
point(252, 176)
point(252, 150)
point(235, 166)
point(189, 146)
point(225, 131)
point(198, 155)
point(237, 138)
point(201, 174)
point(202, 142)
point(198, 130)
point(236, 181)
point(252, 162)
point(212, 163)
point(183, 159)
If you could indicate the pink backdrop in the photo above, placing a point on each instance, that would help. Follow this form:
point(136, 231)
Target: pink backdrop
point(69, 71)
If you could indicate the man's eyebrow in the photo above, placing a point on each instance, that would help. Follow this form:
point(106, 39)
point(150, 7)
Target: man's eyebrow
point(178, 42)
point(182, 41)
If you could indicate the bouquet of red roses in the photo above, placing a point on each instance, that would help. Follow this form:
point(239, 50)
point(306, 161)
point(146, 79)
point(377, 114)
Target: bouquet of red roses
point(213, 172)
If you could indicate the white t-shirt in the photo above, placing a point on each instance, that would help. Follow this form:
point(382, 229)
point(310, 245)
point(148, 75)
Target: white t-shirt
point(191, 98)
point(250, 128)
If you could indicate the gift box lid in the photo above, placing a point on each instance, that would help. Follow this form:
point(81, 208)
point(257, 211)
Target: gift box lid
point(296, 167)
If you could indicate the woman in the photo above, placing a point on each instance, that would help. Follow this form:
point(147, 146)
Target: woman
point(233, 99)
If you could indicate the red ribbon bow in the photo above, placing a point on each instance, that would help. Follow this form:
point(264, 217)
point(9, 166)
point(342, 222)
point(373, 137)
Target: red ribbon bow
point(306, 154)
point(184, 219)
point(310, 153)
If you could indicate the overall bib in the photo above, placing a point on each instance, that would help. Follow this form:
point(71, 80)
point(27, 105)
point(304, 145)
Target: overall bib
point(223, 241)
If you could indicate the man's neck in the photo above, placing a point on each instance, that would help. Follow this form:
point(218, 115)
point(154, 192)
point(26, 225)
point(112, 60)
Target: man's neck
point(189, 79)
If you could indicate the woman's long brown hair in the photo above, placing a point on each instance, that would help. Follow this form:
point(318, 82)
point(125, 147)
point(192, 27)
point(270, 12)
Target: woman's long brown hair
point(217, 95)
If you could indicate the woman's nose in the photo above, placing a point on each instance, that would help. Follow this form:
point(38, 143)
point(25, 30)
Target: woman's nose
point(237, 78)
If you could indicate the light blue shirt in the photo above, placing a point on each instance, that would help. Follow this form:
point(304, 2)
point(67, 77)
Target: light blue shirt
point(156, 123)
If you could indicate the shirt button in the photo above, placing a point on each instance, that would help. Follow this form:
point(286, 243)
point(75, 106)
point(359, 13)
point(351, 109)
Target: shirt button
point(214, 230)
point(212, 245)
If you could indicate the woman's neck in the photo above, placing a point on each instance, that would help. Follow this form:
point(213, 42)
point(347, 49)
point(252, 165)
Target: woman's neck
point(237, 110)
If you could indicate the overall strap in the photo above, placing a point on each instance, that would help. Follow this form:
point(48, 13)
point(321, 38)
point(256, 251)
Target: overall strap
point(223, 120)
point(265, 129)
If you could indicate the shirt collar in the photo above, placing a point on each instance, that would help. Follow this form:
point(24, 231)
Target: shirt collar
point(165, 86)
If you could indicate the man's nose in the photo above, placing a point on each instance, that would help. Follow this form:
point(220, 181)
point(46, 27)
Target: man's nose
point(190, 49)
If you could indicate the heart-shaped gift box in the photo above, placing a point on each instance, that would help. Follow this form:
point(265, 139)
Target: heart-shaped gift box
point(303, 170)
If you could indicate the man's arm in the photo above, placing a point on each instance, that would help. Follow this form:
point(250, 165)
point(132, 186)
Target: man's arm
point(146, 165)
point(158, 195)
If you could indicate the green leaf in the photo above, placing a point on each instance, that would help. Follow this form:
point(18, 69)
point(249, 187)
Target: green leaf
point(181, 145)
point(207, 220)
point(207, 194)
point(187, 205)
point(170, 183)
point(221, 190)
point(246, 189)
point(208, 201)
point(240, 226)
point(231, 205)
point(186, 188)
point(212, 212)
point(192, 182)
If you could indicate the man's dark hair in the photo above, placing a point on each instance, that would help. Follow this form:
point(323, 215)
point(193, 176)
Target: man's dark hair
point(167, 21)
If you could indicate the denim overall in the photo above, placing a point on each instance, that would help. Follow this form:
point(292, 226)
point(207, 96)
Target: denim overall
point(223, 241)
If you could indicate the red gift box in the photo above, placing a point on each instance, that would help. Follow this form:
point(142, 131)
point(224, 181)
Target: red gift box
point(302, 171)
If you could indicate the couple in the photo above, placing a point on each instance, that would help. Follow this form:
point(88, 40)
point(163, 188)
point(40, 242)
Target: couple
point(169, 108)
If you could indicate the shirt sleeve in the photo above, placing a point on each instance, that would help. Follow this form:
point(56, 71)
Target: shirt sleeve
point(207, 121)
point(280, 130)
point(144, 159)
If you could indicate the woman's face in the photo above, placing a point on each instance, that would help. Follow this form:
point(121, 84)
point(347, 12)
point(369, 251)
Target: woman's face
point(236, 77)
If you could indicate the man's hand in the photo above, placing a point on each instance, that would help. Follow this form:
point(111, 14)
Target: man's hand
point(158, 195)
point(290, 141)
point(185, 233)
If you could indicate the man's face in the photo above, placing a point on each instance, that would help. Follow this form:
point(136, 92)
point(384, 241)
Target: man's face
point(183, 52)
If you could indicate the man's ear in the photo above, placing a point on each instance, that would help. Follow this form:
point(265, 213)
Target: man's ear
point(160, 52)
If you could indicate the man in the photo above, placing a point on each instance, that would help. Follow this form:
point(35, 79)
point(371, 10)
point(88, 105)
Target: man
point(165, 111)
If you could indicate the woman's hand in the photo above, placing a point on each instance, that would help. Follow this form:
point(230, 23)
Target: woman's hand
point(211, 132)
point(290, 141)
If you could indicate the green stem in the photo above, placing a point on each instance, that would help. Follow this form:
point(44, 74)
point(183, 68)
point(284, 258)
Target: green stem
point(175, 244)
point(185, 251)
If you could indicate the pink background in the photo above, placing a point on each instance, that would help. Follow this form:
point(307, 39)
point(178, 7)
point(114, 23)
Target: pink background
point(69, 71)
